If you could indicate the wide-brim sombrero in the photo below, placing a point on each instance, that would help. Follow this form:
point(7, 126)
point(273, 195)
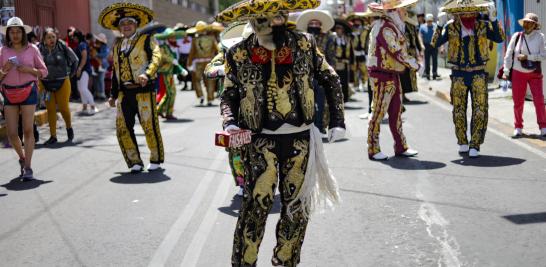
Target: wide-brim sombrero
point(109, 17)
point(202, 26)
point(323, 16)
point(247, 9)
point(465, 6)
point(170, 33)
point(386, 5)
point(235, 33)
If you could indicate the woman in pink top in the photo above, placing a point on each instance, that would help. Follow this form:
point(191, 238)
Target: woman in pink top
point(21, 66)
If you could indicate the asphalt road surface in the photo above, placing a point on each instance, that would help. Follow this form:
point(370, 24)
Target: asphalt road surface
point(438, 209)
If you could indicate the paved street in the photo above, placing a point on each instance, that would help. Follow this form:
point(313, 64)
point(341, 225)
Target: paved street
point(438, 209)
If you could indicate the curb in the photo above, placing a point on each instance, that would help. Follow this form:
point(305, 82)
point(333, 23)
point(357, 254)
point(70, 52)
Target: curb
point(40, 118)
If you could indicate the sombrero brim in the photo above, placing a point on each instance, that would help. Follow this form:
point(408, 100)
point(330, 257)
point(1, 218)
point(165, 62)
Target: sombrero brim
point(321, 15)
point(169, 34)
point(4, 29)
point(452, 6)
point(382, 7)
point(208, 28)
point(232, 35)
point(250, 8)
point(111, 15)
point(153, 29)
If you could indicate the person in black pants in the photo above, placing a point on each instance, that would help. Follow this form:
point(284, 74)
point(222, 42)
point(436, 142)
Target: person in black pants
point(431, 53)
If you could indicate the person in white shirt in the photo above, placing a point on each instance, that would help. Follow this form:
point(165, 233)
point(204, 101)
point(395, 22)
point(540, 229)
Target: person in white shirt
point(524, 55)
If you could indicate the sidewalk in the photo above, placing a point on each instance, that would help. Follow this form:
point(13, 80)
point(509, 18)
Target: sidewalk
point(40, 116)
point(501, 114)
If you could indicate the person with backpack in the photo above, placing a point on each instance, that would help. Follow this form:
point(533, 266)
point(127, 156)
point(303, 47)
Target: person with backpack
point(136, 61)
point(61, 62)
point(522, 62)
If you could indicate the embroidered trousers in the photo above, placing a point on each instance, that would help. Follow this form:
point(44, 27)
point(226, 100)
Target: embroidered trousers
point(361, 72)
point(197, 77)
point(387, 98)
point(268, 160)
point(475, 83)
point(143, 105)
point(166, 104)
point(519, 88)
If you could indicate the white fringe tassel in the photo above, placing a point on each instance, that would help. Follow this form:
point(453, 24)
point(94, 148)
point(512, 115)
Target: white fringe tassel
point(319, 191)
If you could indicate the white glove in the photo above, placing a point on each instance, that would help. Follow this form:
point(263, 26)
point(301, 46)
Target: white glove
point(413, 64)
point(184, 72)
point(335, 134)
point(442, 19)
point(421, 70)
point(492, 11)
point(175, 61)
point(232, 128)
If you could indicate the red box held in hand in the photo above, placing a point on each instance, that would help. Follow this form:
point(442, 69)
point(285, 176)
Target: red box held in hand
point(234, 139)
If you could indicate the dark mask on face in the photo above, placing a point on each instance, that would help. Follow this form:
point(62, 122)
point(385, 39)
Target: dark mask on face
point(314, 30)
point(279, 35)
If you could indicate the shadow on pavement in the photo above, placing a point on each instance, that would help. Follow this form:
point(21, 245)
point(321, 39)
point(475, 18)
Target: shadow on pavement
point(141, 178)
point(488, 161)
point(402, 163)
point(527, 218)
point(233, 208)
point(3, 195)
point(178, 121)
point(415, 102)
point(353, 108)
point(530, 136)
point(58, 145)
point(17, 184)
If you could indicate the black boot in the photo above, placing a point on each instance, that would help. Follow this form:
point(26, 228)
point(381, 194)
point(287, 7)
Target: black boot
point(52, 140)
point(70, 134)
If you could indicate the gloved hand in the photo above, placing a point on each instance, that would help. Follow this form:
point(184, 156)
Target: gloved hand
point(442, 19)
point(413, 64)
point(232, 128)
point(335, 134)
point(421, 70)
point(492, 11)
point(184, 72)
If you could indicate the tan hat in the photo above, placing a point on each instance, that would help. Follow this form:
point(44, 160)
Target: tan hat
point(324, 16)
point(15, 22)
point(202, 26)
point(101, 37)
point(391, 4)
point(530, 17)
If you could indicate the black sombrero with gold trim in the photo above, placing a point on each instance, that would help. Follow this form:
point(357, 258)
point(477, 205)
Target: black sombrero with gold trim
point(247, 9)
point(109, 17)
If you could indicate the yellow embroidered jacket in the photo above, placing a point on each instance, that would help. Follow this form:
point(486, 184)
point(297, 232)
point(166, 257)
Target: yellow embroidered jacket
point(143, 57)
point(472, 50)
point(203, 49)
point(265, 89)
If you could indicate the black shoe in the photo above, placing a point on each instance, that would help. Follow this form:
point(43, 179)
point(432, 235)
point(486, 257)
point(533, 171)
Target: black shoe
point(52, 140)
point(405, 100)
point(436, 77)
point(70, 134)
point(28, 174)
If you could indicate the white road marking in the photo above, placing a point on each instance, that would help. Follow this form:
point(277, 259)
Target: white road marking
point(193, 253)
point(436, 225)
point(177, 229)
point(490, 129)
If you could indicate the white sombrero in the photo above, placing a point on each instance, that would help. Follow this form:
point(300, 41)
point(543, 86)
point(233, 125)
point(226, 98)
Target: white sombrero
point(323, 16)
